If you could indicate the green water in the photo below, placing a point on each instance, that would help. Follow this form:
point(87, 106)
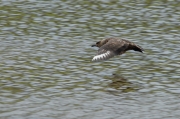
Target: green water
point(46, 68)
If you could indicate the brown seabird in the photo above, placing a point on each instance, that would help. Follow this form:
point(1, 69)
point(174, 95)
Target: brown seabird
point(110, 47)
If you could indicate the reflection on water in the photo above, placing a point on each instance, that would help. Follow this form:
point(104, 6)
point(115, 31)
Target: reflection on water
point(122, 84)
point(118, 81)
point(46, 68)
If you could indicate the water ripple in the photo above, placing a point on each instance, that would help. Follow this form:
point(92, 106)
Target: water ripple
point(46, 68)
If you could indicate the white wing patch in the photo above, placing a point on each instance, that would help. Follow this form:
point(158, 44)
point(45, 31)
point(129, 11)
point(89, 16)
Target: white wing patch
point(100, 57)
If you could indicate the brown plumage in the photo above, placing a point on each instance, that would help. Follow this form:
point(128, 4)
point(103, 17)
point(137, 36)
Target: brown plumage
point(110, 47)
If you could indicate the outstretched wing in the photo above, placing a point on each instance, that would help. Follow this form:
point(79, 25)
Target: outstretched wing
point(110, 49)
point(103, 55)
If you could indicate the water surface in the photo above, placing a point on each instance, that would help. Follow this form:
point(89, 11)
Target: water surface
point(46, 68)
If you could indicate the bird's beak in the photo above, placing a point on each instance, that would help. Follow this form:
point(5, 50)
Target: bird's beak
point(94, 45)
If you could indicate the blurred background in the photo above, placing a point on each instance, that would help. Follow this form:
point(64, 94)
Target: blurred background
point(45, 59)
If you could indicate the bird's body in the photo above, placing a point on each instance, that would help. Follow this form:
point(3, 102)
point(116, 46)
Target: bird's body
point(114, 46)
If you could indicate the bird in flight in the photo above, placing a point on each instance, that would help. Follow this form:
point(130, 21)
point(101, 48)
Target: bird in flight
point(110, 47)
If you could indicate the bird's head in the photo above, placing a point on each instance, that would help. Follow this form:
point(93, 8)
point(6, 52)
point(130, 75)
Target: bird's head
point(100, 43)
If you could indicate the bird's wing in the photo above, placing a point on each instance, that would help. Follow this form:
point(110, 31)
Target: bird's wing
point(110, 49)
point(133, 46)
point(103, 55)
